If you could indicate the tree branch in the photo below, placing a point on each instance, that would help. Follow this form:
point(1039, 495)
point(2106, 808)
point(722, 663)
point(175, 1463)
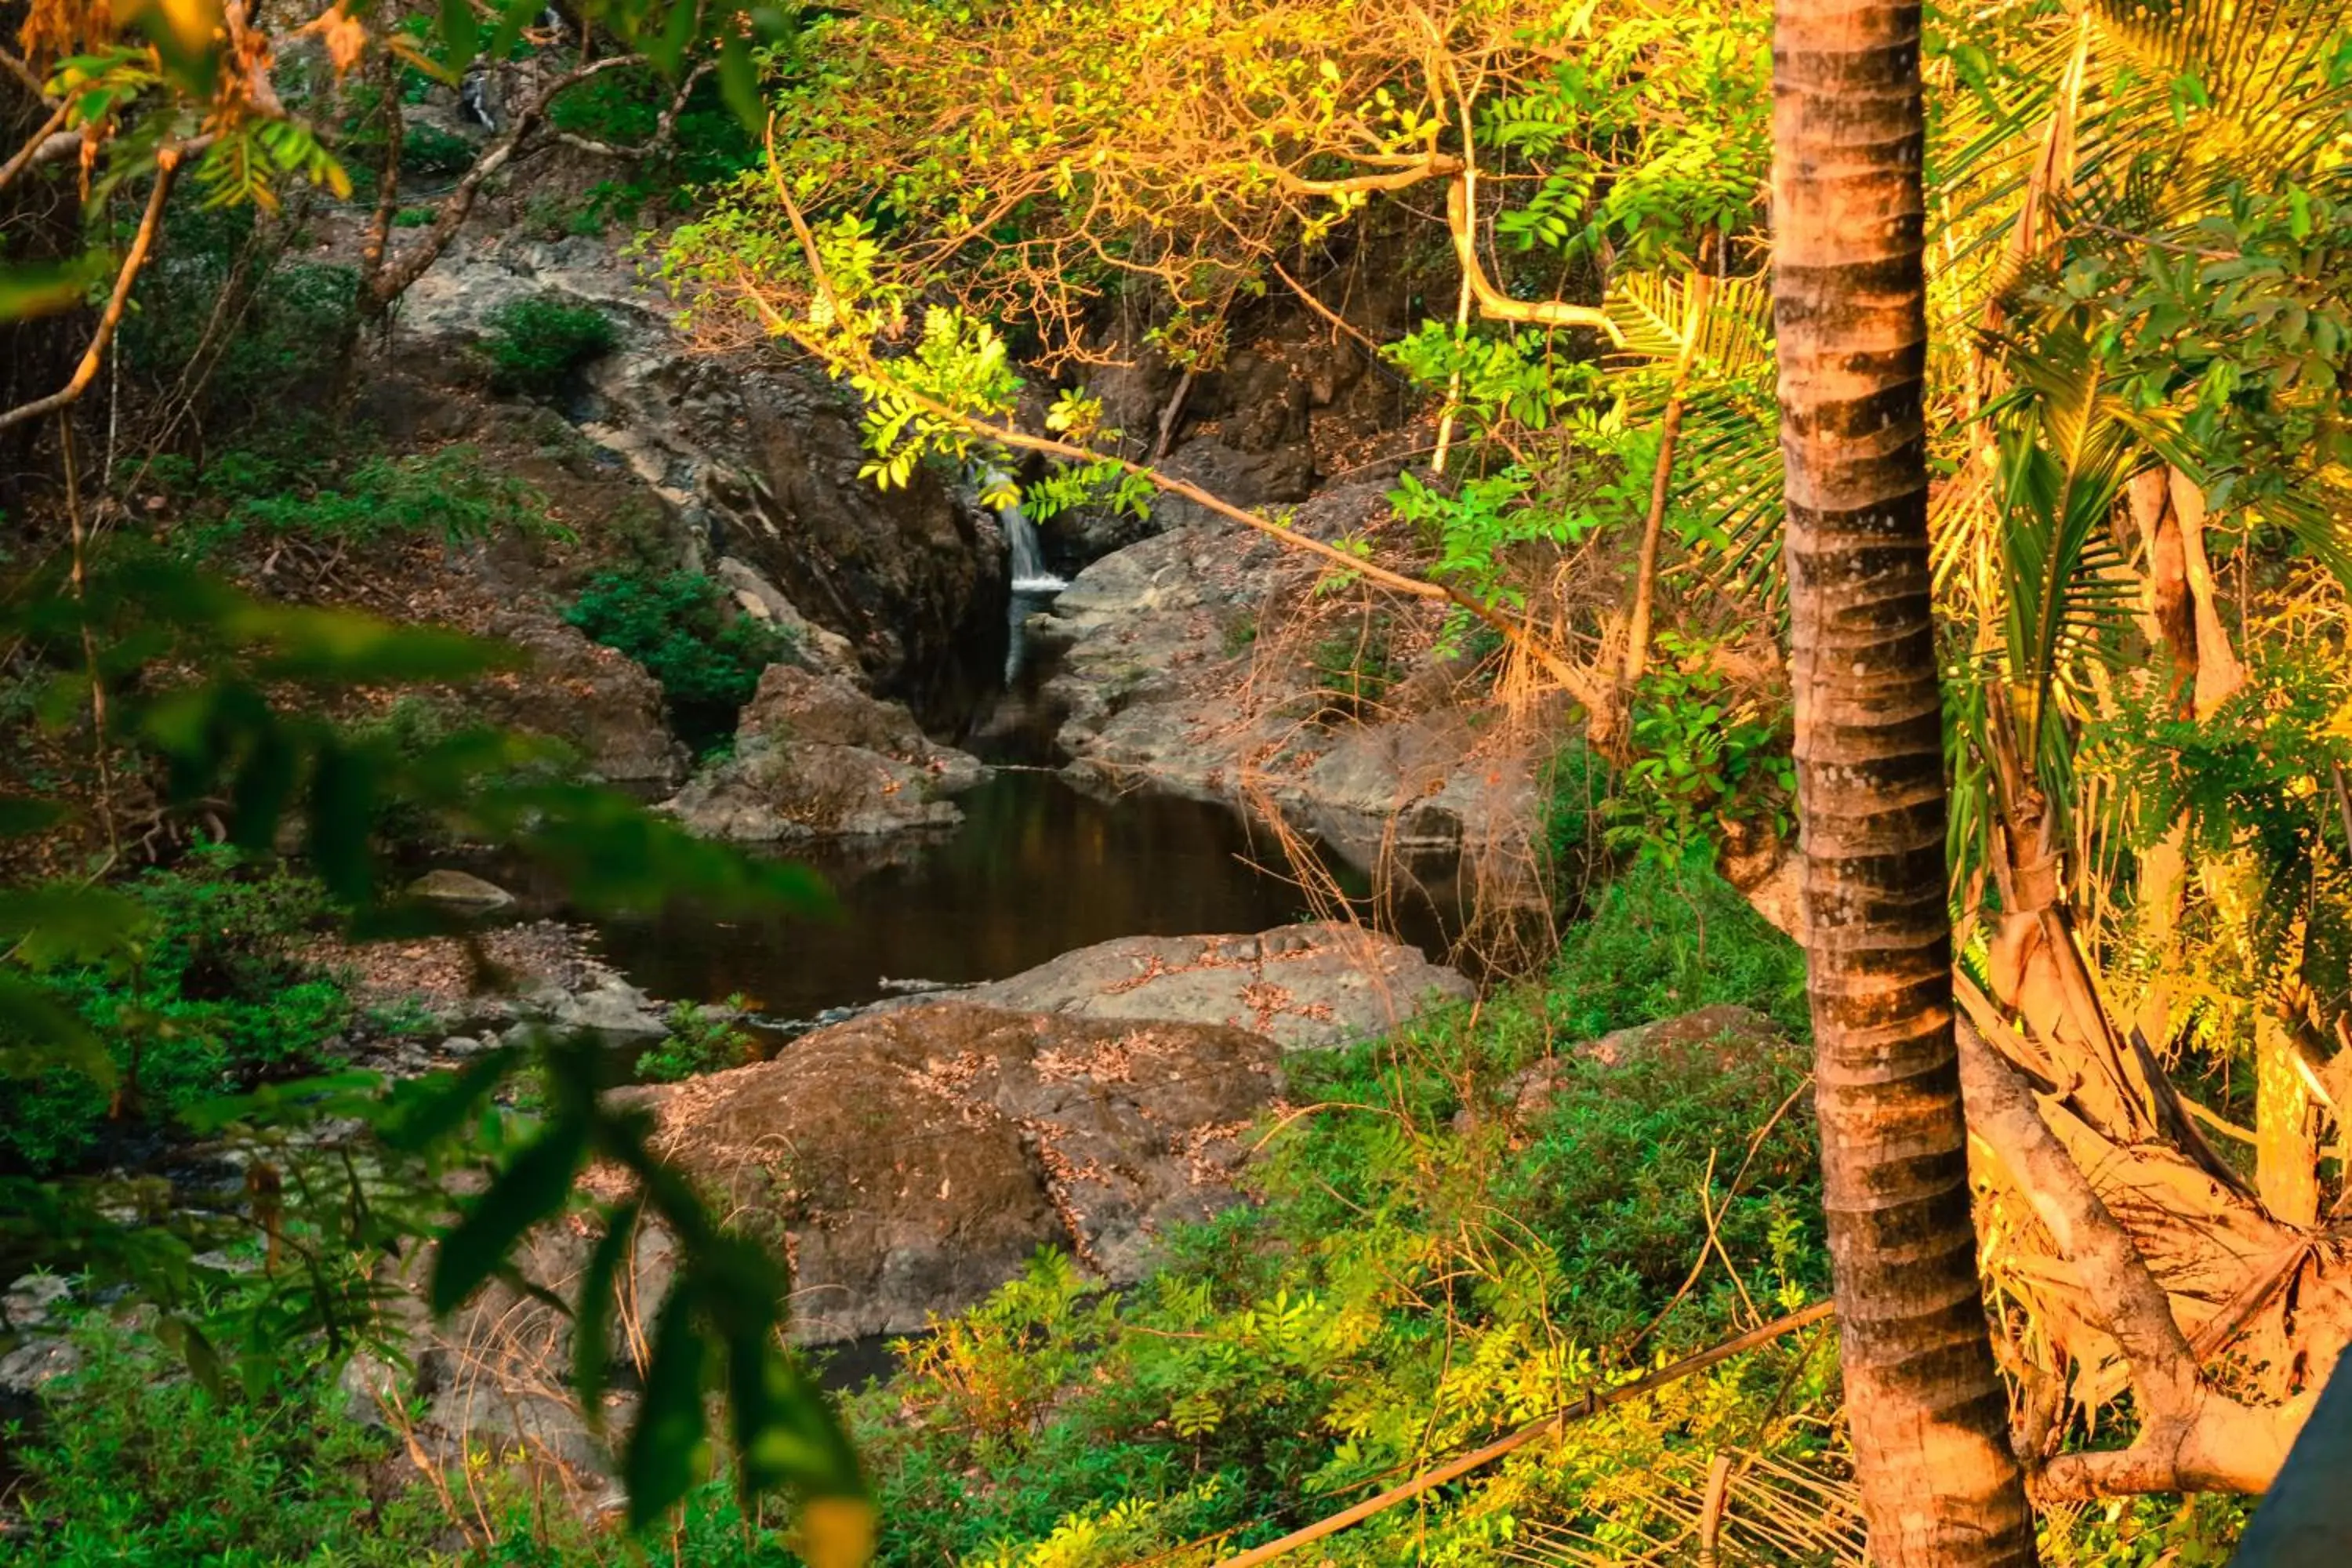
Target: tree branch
point(167, 160)
point(393, 280)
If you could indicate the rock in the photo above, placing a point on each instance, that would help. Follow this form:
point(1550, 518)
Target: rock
point(34, 1301)
point(612, 1009)
point(759, 460)
point(1303, 986)
point(762, 600)
point(37, 1361)
point(603, 705)
point(907, 1164)
point(460, 890)
point(917, 1158)
point(816, 757)
point(1157, 691)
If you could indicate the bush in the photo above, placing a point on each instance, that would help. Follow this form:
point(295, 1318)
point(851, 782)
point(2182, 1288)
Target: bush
point(451, 494)
point(707, 659)
point(211, 998)
point(537, 345)
point(701, 1041)
point(135, 1466)
point(295, 315)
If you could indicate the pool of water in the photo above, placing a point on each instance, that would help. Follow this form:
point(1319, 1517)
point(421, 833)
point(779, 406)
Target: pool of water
point(1037, 868)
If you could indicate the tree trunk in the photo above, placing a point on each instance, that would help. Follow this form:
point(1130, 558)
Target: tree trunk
point(1939, 1485)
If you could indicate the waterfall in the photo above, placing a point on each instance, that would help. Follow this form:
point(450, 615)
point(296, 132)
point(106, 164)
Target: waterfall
point(1029, 572)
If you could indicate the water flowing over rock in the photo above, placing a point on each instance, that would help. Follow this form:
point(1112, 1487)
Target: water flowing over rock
point(1302, 986)
point(815, 757)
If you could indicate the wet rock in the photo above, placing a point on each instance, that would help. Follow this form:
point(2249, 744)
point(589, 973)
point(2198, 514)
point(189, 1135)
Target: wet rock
point(1302, 986)
point(460, 890)
point(816, 757)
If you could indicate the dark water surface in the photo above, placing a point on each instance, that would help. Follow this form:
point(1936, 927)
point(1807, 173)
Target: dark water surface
point(1037, 868)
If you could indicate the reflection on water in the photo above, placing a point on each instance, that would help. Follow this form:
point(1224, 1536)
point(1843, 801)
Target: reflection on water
point(1036, 868)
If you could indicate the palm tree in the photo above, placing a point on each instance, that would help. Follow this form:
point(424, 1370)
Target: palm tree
point(1939, 1485)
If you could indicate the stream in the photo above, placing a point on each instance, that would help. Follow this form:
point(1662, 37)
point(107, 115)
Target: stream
point(1037, 868)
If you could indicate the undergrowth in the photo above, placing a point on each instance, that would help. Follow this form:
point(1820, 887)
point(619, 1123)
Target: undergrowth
point(211, 997)
point(707, 659)
point(1453, 1232)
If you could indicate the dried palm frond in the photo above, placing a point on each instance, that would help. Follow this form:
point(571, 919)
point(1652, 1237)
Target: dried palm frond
point(1757, 1510)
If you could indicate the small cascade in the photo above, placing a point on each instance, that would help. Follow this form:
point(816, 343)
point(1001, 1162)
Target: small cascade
point(1029, 574)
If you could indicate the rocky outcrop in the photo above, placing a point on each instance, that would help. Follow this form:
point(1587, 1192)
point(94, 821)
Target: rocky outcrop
point(816, 757)
point(1302, 986)
point(1166, 681)
point(907, 1164)
point(605, 706)
point(754, 457)
point(917, 1159)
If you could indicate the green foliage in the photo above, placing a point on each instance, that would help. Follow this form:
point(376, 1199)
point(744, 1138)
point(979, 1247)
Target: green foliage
point(136, 1467)
point(1576, 785)
point(1422, 1269)
point(1354, 666)
point(235, 316)
point(701, 1041)
point(202, 991)
point(707, 659)
point(624, 109)
point(429, 152)
point(1703, 759)
point(245, 499)
point(537, 345)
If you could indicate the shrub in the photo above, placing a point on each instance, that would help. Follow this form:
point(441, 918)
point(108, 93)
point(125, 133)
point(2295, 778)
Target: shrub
point(1354, 667)
point(451, 494)
point(137, 1467)
point(537, 344)
point(701, 1041)
point(707, 659)
point(210, 997)
point(433, 153)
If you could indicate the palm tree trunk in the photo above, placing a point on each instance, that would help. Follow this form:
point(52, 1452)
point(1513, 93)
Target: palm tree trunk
point(1939, 1485)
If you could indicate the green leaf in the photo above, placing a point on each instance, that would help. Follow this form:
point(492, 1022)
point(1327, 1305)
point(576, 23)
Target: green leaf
point(343, 812)
point(29, 288)
point(459, 30)
point(592, 1317)
point(49, 1034)
point(531, 1189)
point(739, 80)
point(423, 1112)
point(21, 814)
point(666, 1447)
point(51, 925)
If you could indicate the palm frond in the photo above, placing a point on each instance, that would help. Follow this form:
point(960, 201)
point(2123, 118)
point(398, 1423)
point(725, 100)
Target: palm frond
point(1772, 1513)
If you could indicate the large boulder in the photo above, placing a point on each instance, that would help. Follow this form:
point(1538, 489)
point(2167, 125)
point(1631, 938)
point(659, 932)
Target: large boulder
point(816, 757)
point(907, 1164)
point(1303, 986)
point(914, 1160)
point(600, 704)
